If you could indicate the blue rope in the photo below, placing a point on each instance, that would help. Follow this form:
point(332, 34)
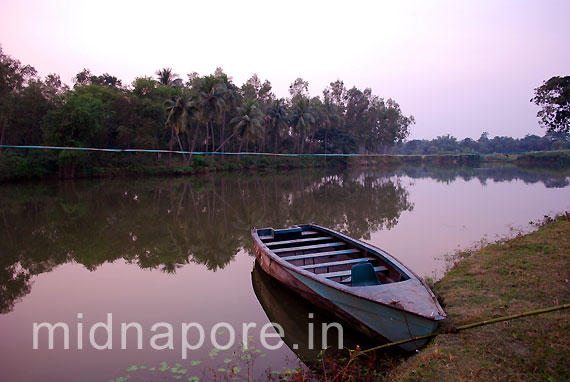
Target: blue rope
point(262, 154)
point(166, 151)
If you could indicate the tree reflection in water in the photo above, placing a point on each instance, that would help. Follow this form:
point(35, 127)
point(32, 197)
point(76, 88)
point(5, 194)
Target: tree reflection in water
point(166, 223)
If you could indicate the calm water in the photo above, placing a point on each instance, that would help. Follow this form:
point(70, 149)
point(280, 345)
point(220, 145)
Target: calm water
point(177, 250)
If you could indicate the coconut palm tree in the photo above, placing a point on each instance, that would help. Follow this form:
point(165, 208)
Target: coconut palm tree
point(167, 77)
point(302, 120)
point(211, 103)
point(181, 111)
point(330, 117)
point(278, 119)
point(231, 101)
point(248, 121)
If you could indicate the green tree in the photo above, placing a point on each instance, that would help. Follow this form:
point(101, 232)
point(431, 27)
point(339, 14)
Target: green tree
point(77, 123)
point(330, 118)
point(13, 79)
point(181, 111)
point(85, 78)
point(231, 100)
point(248, 122)
point(28, 110)
point(554, 99)
point(356, 117)
point(147, 101)
point(278, 119)
point(251, 87)
point(337, 94)
point(143, 86)
point(211, 104)
point(166, 76)
point(299, 89)
point(302, 120)
point(389, 124)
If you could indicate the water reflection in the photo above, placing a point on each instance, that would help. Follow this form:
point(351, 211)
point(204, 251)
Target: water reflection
point(551, 177)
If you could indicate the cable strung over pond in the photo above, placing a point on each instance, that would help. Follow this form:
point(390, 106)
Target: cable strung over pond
point(262, 154)
point(455, 330)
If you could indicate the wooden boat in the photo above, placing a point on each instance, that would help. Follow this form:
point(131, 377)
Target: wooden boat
point(360, 284)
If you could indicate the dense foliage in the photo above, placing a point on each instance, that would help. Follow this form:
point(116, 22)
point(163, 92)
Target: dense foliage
point(448, 144)
point(203, 113)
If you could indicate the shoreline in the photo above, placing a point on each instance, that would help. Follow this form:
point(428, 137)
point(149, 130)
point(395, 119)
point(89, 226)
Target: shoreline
point(14, 168)
point(529, 271)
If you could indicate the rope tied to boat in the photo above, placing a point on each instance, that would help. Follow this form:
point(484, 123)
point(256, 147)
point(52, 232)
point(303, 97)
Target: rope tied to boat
point(455, 330)
point(410, 330)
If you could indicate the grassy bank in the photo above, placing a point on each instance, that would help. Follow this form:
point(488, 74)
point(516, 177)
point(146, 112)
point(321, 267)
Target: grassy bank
point(525, 273)
point(17, 165)
point(46, 164)
point(547, 158)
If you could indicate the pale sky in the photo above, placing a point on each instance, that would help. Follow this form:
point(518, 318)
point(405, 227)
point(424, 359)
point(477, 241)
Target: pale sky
point(460, 67)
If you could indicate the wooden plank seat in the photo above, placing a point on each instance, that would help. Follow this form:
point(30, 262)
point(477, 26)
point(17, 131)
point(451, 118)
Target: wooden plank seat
point(309, 247)
point(320, 254)
point(330, 275)
point(291, 230)
point(338, 263)
point(288, 230)
point(308, 240)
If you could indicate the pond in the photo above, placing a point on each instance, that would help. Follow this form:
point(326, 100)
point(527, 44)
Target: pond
point(165, 256)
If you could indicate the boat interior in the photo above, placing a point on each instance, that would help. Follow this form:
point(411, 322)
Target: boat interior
point(330, 257)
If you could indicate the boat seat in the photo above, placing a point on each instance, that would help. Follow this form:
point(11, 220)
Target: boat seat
point(337, 263)
point(320, 254)
point(331, 275)
point(288, 230)
point(309, 247)
point(363, 275)
point(308, 240)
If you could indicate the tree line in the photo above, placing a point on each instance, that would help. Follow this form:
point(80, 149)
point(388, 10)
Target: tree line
point(448, 144)
point(212, 114)
point(202, 113)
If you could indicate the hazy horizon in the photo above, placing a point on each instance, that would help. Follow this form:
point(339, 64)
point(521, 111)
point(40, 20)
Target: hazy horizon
point(460, 68)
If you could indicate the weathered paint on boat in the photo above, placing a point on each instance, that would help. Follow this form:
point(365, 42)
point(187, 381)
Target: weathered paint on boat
point(392, 311)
